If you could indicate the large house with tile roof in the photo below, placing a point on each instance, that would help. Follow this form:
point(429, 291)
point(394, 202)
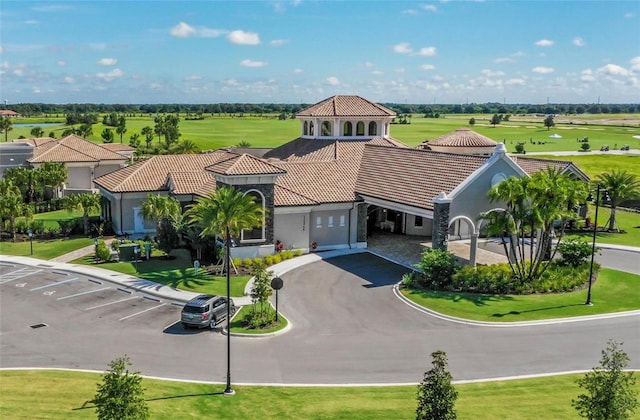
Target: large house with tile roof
point(342, 179)
point(83, 159)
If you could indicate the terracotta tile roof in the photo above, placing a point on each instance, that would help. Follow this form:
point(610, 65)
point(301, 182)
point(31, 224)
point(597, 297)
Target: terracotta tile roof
point(118, 147)
point(462, 137)
point(345, 106)
point(35, 141)
point(323, 171)
point(188, 182)
point(244, 165)
point(412, 176)
point(151, 174)
point(286, 197)
point(73, 149)
point(531, 165)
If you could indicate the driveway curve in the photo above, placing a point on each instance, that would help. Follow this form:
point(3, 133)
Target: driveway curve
point(348, 328)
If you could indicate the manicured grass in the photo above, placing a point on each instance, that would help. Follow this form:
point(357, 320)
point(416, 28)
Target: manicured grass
point(614, 291)
point(625, 221)
point(44, 249)
point(237, 322)
point(65, 395)
point(176, 272)
point(596, 164)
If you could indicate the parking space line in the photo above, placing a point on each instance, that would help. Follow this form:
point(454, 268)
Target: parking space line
point(84, 293)
point(54, 284)
point(141, 312)
point(19, 277)
point(111, 303)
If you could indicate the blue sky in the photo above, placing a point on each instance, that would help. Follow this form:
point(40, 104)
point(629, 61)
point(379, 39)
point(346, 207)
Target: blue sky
point(304, 51)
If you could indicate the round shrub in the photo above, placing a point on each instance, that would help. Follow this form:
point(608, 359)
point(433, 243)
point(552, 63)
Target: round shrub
point(437, 267)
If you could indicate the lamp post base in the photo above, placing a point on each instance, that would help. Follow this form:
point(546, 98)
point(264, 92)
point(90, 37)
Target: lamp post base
point(588, 304)
point(229, 392)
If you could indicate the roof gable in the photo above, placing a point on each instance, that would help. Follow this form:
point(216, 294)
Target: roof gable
point(72, 149)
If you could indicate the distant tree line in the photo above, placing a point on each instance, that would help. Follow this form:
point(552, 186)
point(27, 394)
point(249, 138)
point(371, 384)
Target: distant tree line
point(80, 113)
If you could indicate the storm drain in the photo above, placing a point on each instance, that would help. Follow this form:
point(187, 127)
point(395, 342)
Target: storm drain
point(38, 326)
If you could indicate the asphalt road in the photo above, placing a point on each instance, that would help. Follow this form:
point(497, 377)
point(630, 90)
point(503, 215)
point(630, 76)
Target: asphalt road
point(347, 328)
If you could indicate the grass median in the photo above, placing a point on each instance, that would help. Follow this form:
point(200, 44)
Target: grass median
point(66, 395)
point(614, 291)
point(44, 249)
point(176, 272)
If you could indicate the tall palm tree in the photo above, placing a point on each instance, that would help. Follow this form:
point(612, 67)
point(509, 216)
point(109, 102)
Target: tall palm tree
point(226, 212)
point(6, 126)
point(187, 147)
point(157, 207)
point(147, 132)
point(53, 175)
point(84, 203)
point(621, 186)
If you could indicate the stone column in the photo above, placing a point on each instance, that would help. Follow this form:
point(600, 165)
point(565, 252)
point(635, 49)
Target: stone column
point(440, 232)
point(474, 249)
point(362, 222)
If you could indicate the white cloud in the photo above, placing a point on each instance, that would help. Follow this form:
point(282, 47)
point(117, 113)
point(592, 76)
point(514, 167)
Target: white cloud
point(629, 15)
point(61, 63)
point(1, 49)
point(109, 76)
point(427, 51)
point(31, 22)
point(578, 42)
point(99, 46)
point(513, 82)
point(491, 73)
point(542, 70)
point(504, 60)
point(587, 76)
point(243, 38)
point(183, 30)
point(635, 64)
point(251, 63)
point(18, 72)
point(210, 33)
point(614, 70)
point(368, 64)
point(427, 67)
point(193, 77)
point(107, 62)
point(545, 43)
point(333, 81)
point(69, 80)
point(278, 42)
point(430, 7)
point(298, 71)
point(409, 12)
point(402, 48)
point(377, 73)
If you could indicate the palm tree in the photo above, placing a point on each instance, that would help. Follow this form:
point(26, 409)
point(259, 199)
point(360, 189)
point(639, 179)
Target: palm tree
point(85, 130)
point(121, 129)
point(187, 147)
point(164, 210)
point(11, 204)
point(226, 212)
point(53, 175)
point(6, 126)
point(85, 203)
point(621, 186)
point(533, 205)
point(147, 132)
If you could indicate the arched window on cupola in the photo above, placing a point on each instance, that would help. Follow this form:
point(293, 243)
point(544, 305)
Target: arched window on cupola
point(347, 129)
point(305, 130)
point(326, 129)
point(360, 129)
point(373, 128)
point(311, 129)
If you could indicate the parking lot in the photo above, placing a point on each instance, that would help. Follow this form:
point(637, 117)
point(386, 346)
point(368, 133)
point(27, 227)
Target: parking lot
point(56, 298)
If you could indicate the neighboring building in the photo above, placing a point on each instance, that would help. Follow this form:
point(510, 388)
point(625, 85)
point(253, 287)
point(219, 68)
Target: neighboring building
point(342, 179)
point(463, 140)
point(83, 159)
point(8, 113)
point(13, 155)
point(122, 149)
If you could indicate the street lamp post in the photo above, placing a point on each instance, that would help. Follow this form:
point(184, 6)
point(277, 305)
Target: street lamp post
point(227, 245)
point(31, 240)
point(593, 244)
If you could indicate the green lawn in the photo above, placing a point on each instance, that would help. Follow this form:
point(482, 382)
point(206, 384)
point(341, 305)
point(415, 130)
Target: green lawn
point(593, 165)
point(176, 272)
point(614, 291)
point(625, 221)
point(44, 249)
point(237, 326)
point(65, 395)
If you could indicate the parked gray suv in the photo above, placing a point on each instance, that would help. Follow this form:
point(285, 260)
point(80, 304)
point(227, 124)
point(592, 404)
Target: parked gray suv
point(205, 311)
